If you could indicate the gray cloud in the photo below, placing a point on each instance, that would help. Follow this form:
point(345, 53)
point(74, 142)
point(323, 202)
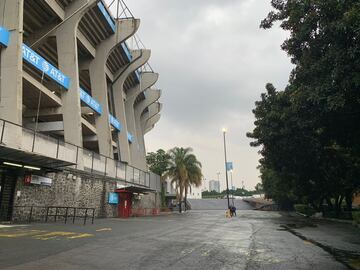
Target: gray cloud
point(214, 62)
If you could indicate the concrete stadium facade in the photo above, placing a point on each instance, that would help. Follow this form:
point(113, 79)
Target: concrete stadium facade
point(75, 104)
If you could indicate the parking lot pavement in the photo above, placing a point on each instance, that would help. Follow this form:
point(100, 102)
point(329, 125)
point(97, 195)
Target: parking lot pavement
point(195, 240)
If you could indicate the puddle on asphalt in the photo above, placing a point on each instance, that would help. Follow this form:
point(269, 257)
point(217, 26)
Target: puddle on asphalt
point(349, 258)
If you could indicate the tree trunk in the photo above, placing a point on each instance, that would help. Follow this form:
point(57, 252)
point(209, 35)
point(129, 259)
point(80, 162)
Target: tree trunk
point(338, 203)
point(329, 203)
point(185, 200)
point(163, 199)
point(181, 191)
point(349, 202)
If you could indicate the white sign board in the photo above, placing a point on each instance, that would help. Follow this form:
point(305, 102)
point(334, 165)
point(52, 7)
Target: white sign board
point(41, 180)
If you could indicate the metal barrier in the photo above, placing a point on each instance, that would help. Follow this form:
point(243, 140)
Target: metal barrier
point(28, 213)
point(21, 138)
point(43, 213)
point(61, 211)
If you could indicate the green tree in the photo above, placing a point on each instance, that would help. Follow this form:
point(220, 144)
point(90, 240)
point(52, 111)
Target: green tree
point(158, 163)
point(259, 188)
point(184, 170)
point(309, 134)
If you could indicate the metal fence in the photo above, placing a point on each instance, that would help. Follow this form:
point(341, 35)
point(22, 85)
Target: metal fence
point(20, 138)
point(31, 214)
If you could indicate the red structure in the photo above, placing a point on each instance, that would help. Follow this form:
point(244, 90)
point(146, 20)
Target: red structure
point(125, 203)
point(125, 207)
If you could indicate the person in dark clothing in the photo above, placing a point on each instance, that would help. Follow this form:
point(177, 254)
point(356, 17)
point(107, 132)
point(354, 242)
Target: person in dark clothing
point(233, 210)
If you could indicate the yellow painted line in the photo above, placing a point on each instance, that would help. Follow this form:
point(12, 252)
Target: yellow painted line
point(52, 235)
point(11, 226)
point(82, 235)
point(104, 229)
point(16, 234)
point(44, 235)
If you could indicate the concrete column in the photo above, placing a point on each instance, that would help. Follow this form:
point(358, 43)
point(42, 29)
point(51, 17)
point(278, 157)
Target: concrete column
point(68, 63)
point(11, 18)
point(147, 79)
point(124, 29)
point(140, 57)
point(152, 95)
point(151, 123)
point(153, 109)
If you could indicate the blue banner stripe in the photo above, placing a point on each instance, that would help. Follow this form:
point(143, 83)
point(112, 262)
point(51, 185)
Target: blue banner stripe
point(4, 36)
point(127, 51)
point(44, 66)
point(114, 122)
point(107, 16)
point(229, 166)
point(137, 74)
point(130, 137)
point(90, 101)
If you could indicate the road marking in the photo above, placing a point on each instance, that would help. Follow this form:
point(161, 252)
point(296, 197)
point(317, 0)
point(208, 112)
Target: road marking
point(52, 235)
point(11, 226)
point(43, 235)
point(82, 235)
point(20, 233)
point(104, 229)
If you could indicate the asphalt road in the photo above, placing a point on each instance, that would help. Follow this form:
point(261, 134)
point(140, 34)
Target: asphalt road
point(217, 204)
point(195, 240)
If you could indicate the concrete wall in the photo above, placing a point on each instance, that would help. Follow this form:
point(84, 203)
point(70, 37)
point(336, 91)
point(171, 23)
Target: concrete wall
point(71, 190)
point(150, 200)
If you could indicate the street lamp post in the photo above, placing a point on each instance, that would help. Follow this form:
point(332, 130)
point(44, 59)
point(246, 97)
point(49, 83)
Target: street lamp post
point(232, 187)
point(226, 172)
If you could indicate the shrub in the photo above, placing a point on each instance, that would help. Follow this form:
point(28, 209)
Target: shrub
point(356, 217)
point(305, 209)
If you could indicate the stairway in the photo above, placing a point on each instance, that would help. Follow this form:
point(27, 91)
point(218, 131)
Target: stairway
point(7, 184)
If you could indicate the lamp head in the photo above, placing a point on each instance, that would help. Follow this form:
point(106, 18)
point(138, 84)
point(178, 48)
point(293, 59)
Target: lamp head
point(224, 130)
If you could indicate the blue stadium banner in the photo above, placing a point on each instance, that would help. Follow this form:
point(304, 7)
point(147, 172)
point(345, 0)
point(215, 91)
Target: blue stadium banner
point(113, 198)
point(126, 50)
point(4, 37)
point(114, 122)
point(137, 73)
point(107, 16)
point(130, 137)
point(90, 101)
point(229, 166)
point(44, 66)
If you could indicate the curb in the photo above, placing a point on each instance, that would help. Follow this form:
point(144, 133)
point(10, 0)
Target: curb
point(343, 221)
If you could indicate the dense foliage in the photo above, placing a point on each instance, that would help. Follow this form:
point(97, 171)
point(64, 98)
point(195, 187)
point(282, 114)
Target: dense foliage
point(184, 171)
point(309, 133)
point(181, 166)
point(158, 163)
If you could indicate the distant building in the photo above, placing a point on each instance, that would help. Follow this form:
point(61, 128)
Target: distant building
point(171, 191)
point(214, 185)
point(195, 193)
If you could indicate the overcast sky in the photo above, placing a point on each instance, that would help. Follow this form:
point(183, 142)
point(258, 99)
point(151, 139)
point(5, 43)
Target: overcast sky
point(213, 62)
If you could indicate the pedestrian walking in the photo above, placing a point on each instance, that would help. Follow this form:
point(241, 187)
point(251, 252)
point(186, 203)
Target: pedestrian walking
point(234, 210)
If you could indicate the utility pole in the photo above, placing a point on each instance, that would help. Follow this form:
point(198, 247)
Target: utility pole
point(226, 172)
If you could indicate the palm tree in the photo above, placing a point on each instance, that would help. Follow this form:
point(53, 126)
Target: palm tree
point(184, 170)
point(194, 175)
